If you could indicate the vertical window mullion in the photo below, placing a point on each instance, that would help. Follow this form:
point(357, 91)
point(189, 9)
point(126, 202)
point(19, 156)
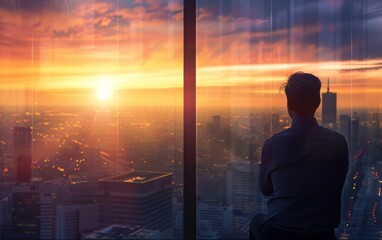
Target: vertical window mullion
point(189, 110)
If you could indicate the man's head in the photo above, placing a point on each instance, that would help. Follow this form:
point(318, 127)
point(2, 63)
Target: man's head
point(303, 94)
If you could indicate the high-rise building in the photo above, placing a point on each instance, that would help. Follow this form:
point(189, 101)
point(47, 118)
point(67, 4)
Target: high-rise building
point(375, 131)
point(137, 198)
point(212, 184)
point(115, 231)
point(26, 195)
point(47, 216)
point(22, 140)
point(67, 221)
point(243, 192)
point(355, 136)
point(22, 145)
point(79, 189)
point(218, 214)
point(26, 199)
point(216, 139)
point(6, 218)
point(24, 168)
point(345, 126)
point(329, 108)
point(72, 220)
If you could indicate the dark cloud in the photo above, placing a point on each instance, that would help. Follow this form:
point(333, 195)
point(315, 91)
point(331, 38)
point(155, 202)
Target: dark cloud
point(362, 69)
point(33, 5)
point(350, 29)
point(72, 31)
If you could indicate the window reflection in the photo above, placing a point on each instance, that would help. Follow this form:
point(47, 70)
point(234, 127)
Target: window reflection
point(91, 119)
point(246, 50)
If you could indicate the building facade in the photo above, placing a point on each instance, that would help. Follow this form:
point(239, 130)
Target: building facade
point(137, 198)
point(329, 109)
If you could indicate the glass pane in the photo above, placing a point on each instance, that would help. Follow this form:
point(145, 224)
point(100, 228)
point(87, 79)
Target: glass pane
point(91, 119)
point(246, 51)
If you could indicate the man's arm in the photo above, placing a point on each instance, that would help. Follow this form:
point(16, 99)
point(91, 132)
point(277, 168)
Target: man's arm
point(265, 170)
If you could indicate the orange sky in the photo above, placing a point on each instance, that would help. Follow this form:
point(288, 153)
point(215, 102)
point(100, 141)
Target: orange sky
point(62, 54)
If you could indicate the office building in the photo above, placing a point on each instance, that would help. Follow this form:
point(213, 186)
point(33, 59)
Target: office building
point(137, 198)
point(243, 192)
point(375, 125)
point(22, 140)
point(355, 134)
point(79, 190)
point(115, 231)
point(345, 126)
point(47, 216)
point(6, 218)
point(72, 220)
point(24, 168)
point(26, 205)
point(67, 221)
point(329, 109)
point(218, 214)
point(26, 195)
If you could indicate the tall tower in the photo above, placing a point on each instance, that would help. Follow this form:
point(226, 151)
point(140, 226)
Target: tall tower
point(329, 108)
point(25, 194)
point(22, 149)
point(243, 193)
point(26, 211)
point(137, 198)
point(22, 140)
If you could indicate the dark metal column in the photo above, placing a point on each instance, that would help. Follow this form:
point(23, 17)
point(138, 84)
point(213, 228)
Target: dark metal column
point(189, 108)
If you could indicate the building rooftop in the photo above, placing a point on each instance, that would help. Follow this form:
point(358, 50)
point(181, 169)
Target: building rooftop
point(73, 179)
point(136, 177)
point(118, 231)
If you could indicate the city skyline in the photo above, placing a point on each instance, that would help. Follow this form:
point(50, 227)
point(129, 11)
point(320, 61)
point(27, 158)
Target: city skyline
point(92, 116)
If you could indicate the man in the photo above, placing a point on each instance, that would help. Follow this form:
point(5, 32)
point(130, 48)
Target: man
point(302, 170)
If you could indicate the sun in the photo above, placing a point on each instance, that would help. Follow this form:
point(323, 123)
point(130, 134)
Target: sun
point(104, 92)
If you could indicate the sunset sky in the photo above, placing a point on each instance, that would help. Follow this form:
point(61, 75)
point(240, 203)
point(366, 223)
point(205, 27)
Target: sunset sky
point(66, 51)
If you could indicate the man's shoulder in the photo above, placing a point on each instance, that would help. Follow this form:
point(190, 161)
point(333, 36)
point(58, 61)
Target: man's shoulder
point(290, 134)
point(279, 137)
point(329, 133)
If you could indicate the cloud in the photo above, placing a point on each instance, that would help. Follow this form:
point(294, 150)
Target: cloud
point(140, 43)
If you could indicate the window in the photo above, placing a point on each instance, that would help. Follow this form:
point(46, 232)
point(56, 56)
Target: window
point(246, 50)
point(91, 98)
point(98, 117)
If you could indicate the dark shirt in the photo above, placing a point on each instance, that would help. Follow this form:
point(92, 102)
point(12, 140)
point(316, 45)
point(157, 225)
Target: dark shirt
point(303, 170)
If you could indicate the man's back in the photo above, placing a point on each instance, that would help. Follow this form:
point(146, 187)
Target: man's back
point(303, 170)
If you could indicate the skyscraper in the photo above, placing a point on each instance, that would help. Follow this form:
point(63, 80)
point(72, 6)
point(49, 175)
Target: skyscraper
point(26, 205)
point(243, 192)
point(26, 195)
point(329, 108)
point(355, 134)
point(19, 165)
point(72, 220)
point(67, 221)
point(22, 140)
point(24, 168)
point(218, 214)
point(47, 215)
point(137, 198)
point(345, 126)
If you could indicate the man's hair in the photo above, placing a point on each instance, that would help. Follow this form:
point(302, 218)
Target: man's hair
point(303, 93)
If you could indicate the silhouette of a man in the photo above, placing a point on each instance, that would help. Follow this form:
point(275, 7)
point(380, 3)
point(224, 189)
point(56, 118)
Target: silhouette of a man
point(302, 170)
